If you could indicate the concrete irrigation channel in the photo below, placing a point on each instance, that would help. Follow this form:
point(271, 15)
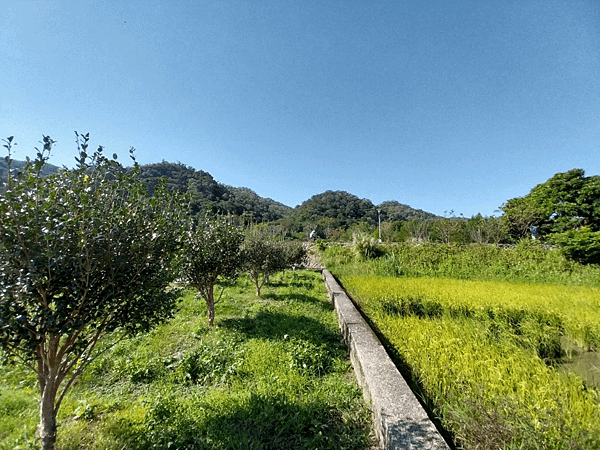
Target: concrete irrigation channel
point(399, 420)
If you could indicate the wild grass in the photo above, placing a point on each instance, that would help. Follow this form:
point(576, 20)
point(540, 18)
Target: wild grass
point(482, 353)
point(272, 374)
point(527, 262)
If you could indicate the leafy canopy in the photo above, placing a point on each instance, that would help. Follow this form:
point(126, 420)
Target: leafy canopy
point(83, 252)
point(211, 251)
point(565, 202)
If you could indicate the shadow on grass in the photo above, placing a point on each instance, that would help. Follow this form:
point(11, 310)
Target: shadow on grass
point(276, 325)
point(257, 422)
point(300, 298)
point(305, 284)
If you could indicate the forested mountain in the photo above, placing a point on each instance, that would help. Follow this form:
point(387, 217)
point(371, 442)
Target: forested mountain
point(208, 194)
point(47, 169)
point(393, 211)
point(331, 209)
point(339, 209)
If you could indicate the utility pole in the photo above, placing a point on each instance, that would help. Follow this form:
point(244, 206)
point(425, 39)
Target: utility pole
point(379, 223)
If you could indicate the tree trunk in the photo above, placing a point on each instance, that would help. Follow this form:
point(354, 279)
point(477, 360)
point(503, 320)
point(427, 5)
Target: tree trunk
point(255, 276)
point(210, 303)
point(47, 426)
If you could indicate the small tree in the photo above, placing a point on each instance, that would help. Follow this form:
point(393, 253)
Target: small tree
point(566, 201)
point(419, 230)
point(295, 254)
point(485, 230)
point(83, 253)
point(211, 251)
point(262, 258)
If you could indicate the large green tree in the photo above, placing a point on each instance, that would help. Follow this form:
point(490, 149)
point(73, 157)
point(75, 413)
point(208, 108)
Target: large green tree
point(85, 258)
point(567, 201)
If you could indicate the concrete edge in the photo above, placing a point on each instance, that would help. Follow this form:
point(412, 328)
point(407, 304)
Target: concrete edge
point(399, 420)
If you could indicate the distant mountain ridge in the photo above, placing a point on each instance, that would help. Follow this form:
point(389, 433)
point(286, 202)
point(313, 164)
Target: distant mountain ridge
point(339, 209)
point(208, 194)
point(333, 208)
point(47, 169)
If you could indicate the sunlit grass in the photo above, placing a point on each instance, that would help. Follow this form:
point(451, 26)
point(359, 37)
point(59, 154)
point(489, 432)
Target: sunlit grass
point(272, 373)
point(574, 310)
point(482, 354)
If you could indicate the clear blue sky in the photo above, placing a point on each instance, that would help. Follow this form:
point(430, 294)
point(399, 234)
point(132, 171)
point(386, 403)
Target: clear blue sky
point(441, 105)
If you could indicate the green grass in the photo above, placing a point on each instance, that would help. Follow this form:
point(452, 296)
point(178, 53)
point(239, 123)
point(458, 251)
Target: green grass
point(272, 373)
point(527, 262)
point(481, 332)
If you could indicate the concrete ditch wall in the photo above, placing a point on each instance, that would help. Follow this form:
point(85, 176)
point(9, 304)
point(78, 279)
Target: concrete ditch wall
point(399, 420)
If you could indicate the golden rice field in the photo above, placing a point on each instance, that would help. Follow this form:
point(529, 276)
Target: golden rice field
point(485, 355)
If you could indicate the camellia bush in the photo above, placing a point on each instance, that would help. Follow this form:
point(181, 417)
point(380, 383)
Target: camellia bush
point(211, 252)
point(85, 261)
point(264, 256)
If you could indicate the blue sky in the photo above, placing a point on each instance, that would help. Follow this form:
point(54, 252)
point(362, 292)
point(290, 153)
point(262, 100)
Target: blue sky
point(441, 105)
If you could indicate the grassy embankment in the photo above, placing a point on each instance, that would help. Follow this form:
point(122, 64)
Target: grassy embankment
point(485, 348)
point(273, 373)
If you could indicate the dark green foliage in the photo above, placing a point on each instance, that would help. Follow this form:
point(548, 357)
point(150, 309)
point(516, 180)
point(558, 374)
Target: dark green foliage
point(295, 255)
point(262, 257)
point(341, 208)
point(392, 211)
point(83, 252)
point(207, 194)
point(565, 202)
point(244, 201)
point(211, 251)
point(581, 245)
point(333, 212)
point(566, 211)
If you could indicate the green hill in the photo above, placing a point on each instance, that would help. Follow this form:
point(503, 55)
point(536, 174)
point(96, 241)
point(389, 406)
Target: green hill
point(47, 169)
point(330, 209)
point(208, 194)
point(340, 209)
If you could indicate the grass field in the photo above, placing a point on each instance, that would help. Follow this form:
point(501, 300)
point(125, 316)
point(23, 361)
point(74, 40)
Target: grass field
point(272, 374)
point(501, 343)
point(485, 355)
